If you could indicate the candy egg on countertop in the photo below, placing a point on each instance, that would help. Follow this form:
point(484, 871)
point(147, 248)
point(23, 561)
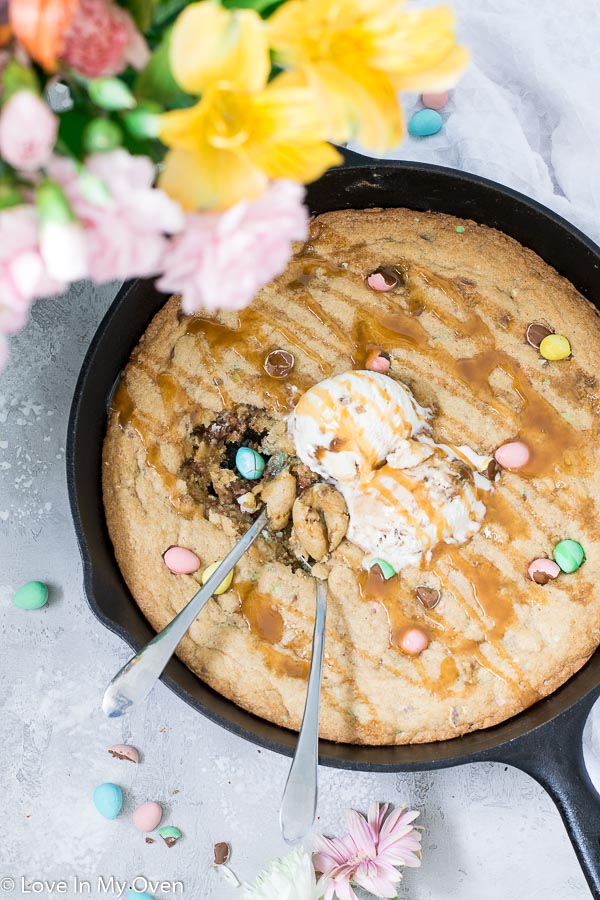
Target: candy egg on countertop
point(434, 101)
point(181, 561)
point(249, 463)
point(32, 595)
point(425, 122)
point(108, 800)
point(147, 816)
point(132, 894)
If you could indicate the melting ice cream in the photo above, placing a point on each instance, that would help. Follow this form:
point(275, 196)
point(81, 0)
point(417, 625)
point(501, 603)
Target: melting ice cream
point(366, 434)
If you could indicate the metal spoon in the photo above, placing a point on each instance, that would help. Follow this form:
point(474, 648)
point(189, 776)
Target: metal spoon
point(299, 802)
point(137, 677)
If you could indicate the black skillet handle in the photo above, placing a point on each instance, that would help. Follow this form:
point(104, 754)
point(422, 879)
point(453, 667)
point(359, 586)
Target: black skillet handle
point(553, 755)
point(352, 158)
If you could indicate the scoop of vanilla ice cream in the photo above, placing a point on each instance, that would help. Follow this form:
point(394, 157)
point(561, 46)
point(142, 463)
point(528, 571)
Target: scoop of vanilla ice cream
point(346, 425)
point(367, 434)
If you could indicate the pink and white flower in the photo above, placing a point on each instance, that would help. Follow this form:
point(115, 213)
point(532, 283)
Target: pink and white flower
point(103, 40)
point(369, 854)
point(222, 259)
point(291, 877)
point(28, 130)
point(124, 230)
point(23, 273)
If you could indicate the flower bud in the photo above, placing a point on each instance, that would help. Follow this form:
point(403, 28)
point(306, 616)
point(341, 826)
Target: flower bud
point(111, 93)
point(101, 135)
point(62, 240)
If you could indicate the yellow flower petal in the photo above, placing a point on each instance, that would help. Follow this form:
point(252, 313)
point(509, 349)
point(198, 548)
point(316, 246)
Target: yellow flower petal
point(210, 178)
point(439, 77)
point(182, 127)
point(210, 43)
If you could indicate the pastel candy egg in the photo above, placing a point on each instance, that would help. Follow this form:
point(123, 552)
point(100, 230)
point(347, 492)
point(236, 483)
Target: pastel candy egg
point(425, 122)
point(543, 570)
point(249, 463)
point(435, 101)
point(181, 561)
point(513, 455)
point(32, 595)
point(132, 894)
point(555, 346)
point(413, 641)
point(108, 800)
point(147, 816)
point(378, 361)
point(383, 280)
point(387, 570)
point(569, 555)
point(225, 584)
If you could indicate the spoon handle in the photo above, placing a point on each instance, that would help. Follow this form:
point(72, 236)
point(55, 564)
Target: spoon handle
point(138, 676)
point(299, 803)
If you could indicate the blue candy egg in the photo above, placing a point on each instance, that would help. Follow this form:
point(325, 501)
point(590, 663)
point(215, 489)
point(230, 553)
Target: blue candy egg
point(132, 894)
point(249, 463)
point(108, 800)
point(425, 122)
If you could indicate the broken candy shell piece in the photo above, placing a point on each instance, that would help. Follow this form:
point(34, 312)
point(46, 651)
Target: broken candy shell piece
point(221, 853)
point(181, 561)
point(413, 641)
point(513, 455)
point(124, 751)
point(147, 816)
point(387, 570)
point(543, 570)
point(170, 834)
point(428, 597)
point(378, 361)
point(383, 280)
point(535, 334)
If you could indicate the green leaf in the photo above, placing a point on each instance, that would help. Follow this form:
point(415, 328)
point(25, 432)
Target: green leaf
point(142, 12)
point(265, 8)
point(10, 195)
point(156, 81)
point(166, 10)
point(70, 131)
point(18, 77)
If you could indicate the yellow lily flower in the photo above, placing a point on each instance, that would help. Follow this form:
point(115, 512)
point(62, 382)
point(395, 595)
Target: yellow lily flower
point(355, 55)
point(243, 132)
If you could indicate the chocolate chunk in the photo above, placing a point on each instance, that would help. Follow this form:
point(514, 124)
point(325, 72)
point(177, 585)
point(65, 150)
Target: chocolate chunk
point(535, 334)
point(149, 840)
point(541, 577)
point(222, 852)
point(492, 469)
point(426, 236)
point(429, 597)
point(279, 363)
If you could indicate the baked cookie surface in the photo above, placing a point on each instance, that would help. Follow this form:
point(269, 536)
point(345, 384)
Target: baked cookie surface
point(454, 327)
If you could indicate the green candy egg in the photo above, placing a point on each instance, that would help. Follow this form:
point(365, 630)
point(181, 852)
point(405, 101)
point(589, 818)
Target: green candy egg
point(569, 555)
point(108, 800)
point(249, 463)
point(170, 834)
point(32, 595)
point(387, 570)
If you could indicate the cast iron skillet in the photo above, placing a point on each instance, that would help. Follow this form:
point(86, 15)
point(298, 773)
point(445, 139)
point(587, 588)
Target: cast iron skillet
point(545, 740)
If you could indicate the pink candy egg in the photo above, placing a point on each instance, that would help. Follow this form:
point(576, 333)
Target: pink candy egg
point(378, 361)
point(377, 282)
point(181, 561)
point(543, 570)
point(513, 455)
point(147, 816)
point(434, 101)
point(413, 641)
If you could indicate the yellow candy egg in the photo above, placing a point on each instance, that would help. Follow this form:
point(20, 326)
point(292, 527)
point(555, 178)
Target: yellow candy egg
point(555, 346)
point(225, 584)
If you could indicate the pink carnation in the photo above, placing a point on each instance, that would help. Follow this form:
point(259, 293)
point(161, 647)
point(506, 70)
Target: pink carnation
point(125, 233)
point(28, 130)
point(23, 275)
point(103, 40)
point(369, 855)
point(222, 259)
